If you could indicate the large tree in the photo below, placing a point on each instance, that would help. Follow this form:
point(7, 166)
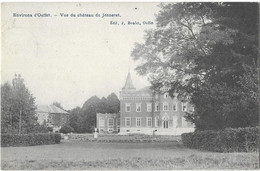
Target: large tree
point(201, 51)
point(84, 119)
point(17, 108)
point(113, 103)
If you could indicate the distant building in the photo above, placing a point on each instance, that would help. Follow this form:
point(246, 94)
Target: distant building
point(146, 111)
point(52, 116)
point(108, 123)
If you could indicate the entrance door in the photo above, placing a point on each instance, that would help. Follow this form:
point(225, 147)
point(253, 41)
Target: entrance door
point(165, 124)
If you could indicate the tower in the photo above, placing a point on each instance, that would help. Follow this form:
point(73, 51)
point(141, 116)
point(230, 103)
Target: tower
point(129, 86)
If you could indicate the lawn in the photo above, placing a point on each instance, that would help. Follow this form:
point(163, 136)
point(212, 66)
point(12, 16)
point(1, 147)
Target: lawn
point(98, 155)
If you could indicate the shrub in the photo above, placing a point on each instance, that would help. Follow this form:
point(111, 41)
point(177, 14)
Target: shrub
point(66, 129)
point(38, 129)
point(50, 129)
point(228, 140)
point(8, 140)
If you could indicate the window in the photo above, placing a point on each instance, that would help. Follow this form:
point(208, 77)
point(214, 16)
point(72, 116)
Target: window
point(110, 122)
point(127, 107)
point(101, 122)
point(138, 122)
point(174, 107)
point(118, 122)
point(165, 107)
point(127, 121)
point(149, 121)
point(184, 107)
point(156, 121)
point(166, 95)
point(149, 107)
point(165, 124)
point(138, 107)
point(156, 107)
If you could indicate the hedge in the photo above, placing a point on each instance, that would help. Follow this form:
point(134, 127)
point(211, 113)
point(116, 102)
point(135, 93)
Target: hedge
point(11, 140)
point(132, 138)
point(228, 140)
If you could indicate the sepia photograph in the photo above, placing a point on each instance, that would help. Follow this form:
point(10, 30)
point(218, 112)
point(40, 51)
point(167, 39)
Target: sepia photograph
point(130, 86)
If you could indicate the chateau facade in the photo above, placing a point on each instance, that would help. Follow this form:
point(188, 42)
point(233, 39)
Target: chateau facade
point(149, 112)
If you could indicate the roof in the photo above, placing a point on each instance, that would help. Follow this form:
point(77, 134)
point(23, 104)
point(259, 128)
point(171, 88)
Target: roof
point(129, 83)
point(50, 109)
point(145, 90)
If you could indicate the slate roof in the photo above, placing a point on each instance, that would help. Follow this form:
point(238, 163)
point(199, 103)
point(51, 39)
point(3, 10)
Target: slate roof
point(50, 109)
point(145, 90)
point(129, 83)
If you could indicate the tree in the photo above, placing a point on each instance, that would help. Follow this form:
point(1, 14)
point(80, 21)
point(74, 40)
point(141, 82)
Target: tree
point(66, 129)
point(113, 103)
point(7, 116)
point(84, 119)
point(199, 50)
point(103, 106)
point(90, 108)
point(57, 104)
point(17, 107)
point(75, 120)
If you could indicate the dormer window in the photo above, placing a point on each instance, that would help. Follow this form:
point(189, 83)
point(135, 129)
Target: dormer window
point(166, 95)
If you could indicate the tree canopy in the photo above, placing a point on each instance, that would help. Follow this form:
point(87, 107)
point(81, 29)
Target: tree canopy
point(17, 107)
point(207, 52)
point(84, 119)
point(57, 104)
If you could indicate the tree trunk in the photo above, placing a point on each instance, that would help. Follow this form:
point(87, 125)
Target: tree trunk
point(20, 122)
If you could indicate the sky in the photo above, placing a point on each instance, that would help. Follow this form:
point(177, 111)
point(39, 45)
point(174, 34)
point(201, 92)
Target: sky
point(70, 59)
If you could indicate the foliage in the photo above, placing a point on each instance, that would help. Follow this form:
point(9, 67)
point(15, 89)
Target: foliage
point(83, 119)
point(11, 140)
point(40, 129)
point(66, 129)
point(132, 138)
point(17, 107)
point(57, 104)
point(228, 140)
point(203, 51)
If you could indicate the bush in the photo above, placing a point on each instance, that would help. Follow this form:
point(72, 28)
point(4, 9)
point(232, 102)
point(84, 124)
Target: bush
point(38, 129)
point(132, 138)
point(8, 140)
point(228, 140)
point(66, 129)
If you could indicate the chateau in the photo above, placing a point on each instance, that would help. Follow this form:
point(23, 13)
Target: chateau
point(149, 112)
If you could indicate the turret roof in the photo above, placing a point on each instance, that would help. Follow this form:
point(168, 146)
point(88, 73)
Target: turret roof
point(129, 83)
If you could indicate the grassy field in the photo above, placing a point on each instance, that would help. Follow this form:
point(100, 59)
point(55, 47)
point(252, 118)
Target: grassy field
point(97, 155)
